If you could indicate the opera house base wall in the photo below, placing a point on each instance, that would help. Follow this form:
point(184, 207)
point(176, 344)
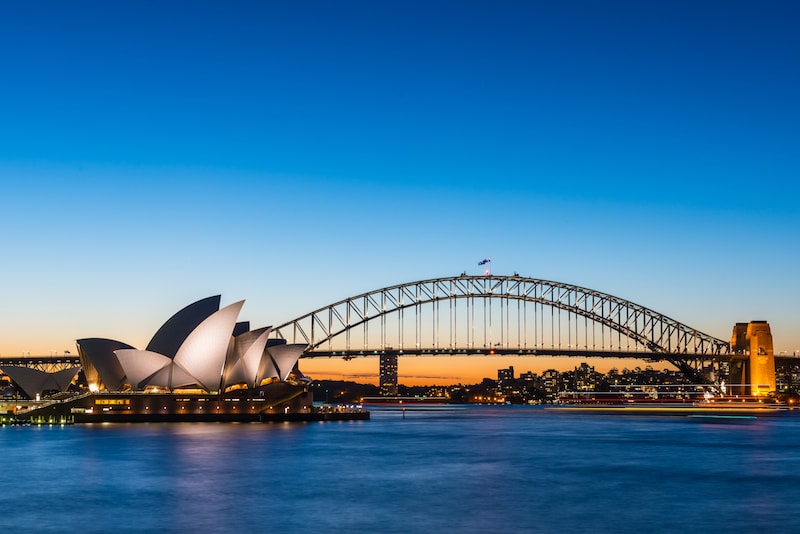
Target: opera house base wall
point(280, 403)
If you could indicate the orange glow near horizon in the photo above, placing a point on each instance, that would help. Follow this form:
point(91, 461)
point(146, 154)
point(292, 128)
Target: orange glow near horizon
point(451, 370)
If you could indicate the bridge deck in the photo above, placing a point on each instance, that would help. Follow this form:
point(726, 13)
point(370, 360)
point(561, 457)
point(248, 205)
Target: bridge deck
point(30, 361)
point(498, 351)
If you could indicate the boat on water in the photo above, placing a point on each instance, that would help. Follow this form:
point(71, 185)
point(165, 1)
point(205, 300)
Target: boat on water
point(625, 398)
point(682, 401)
point(720, 407)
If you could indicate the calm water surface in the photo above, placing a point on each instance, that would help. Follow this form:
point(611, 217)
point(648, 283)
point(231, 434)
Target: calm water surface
point(467, 469)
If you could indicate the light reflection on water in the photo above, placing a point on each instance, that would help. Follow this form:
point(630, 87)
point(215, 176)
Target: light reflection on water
point(473, 469)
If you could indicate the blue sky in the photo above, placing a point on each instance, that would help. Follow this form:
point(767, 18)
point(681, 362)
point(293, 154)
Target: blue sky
point(296, 153)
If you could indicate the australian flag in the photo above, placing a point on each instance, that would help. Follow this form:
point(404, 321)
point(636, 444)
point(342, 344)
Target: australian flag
point(485, 261)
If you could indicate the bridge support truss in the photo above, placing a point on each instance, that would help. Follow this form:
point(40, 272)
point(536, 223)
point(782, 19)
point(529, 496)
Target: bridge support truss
point(502, 315)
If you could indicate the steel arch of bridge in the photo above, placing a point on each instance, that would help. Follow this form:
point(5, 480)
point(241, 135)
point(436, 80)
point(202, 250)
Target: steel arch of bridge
point(654, 335)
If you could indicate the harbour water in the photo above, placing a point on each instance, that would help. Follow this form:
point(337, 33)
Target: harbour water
point(439, 469)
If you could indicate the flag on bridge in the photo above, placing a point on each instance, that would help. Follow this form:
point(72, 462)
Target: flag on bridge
point(485, 261)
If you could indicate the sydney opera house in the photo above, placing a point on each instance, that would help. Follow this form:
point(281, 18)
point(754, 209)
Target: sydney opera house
point(201, 348)
point(201, 365)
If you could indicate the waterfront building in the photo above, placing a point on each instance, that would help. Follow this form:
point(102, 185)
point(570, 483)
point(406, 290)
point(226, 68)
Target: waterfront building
point(201, 365)
point(388, 375)
point(551, 381)
point(584, 377)
point(505, 375)
point(787, 376)
point(201, 347)
point(528, 376)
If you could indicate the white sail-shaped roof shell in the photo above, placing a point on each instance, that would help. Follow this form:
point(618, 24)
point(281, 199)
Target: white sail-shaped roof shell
point(285, 356)
point(145, 368)
point(141, 366)
point(172, 376)
point(181, 377)
point(33, 381)
point(266, 369)
point(100, 365)
point(174, 332)
point(203, 352)
point(245, 357)
point(196, 347)
point(162, 378)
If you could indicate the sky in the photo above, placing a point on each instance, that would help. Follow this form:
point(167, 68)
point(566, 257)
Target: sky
point(297, 153)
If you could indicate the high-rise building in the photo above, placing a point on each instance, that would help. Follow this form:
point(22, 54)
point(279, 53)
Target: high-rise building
point(550, 381)
point(505, 375)
point(388, 375)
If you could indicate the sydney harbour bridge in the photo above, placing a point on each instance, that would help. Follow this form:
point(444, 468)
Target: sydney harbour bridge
point(485, 315)
point(503, 315)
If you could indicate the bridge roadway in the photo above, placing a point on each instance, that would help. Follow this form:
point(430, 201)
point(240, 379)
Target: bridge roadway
point(498, 351)
point(37, 361)
point(514, 351)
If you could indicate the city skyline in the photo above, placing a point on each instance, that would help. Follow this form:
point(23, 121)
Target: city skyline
point(155, 154)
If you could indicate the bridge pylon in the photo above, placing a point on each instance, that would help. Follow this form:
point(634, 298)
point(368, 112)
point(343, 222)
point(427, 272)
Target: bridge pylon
point(752, 359)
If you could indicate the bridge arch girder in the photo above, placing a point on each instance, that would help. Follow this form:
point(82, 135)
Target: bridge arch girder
point(659, 333)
